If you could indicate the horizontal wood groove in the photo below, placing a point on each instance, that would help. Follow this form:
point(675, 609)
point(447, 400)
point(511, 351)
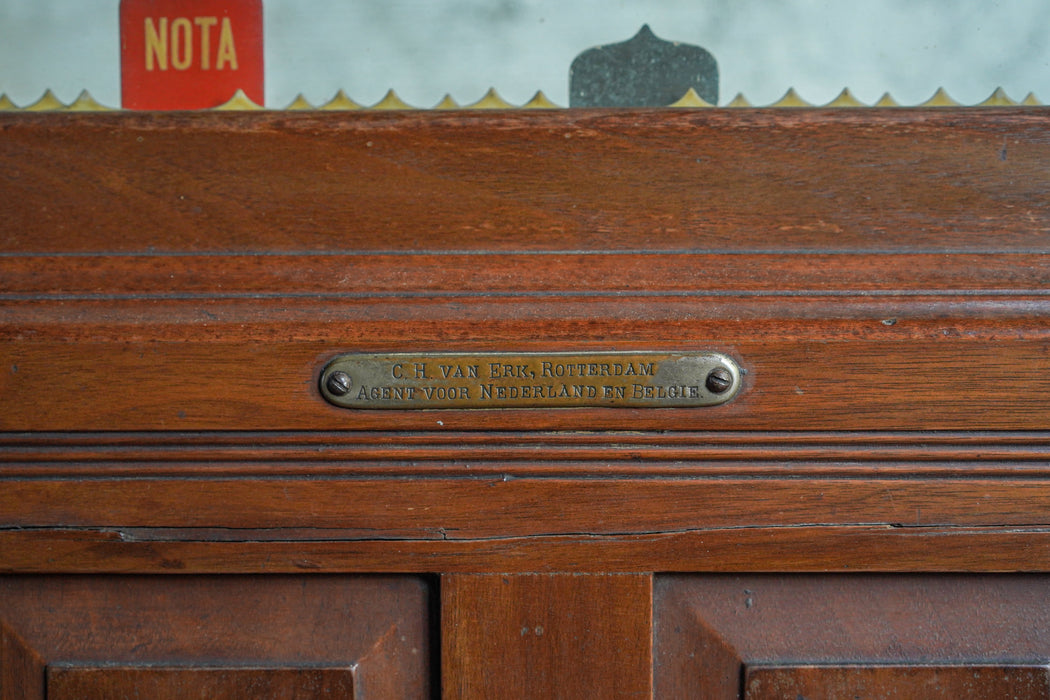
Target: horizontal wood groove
point(948, 453)
point(552, 469)
point(633, 320)
point(278, 438)
point(942, 454)
point(860, 548)
point(803, 296)
point(497, 274)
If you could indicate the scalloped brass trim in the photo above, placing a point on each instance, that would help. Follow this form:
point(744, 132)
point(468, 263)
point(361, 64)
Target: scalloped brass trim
point(239, 102)
point(47, 103)
point(791, 99)
point(491, 100)
point(691, 99)
point(447, 103)
point(886, 101)
point(999, 98)
point(739, 101)
point(340, 101)
point(300, 103)
point(941, 98)
point(84, 102)
point(845, 99)
point(391, 101)
point(540, 101)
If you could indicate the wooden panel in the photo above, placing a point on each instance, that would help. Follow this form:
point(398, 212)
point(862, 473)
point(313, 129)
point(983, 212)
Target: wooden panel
point(803, 384)
point(773, 548)
point(287, 634)
point(783, 180)
point(173, 276)
point(769, 682)
point(708, 629)
point(471, 508)
point(376, 275)
point(105, 683)
point(22, 668)
point(884, 264)
point(498, 524)
point(551, 636)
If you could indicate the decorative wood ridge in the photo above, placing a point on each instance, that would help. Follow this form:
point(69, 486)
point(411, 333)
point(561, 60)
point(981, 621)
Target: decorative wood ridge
point(84, 102)
point(650, 454)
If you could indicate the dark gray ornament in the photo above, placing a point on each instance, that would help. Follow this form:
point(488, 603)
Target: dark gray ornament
point(645, 71)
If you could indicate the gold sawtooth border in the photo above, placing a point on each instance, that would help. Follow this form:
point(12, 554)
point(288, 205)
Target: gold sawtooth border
point(84, 102)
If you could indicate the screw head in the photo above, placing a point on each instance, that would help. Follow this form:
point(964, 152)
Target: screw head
point(338, 383)
point(719, 380)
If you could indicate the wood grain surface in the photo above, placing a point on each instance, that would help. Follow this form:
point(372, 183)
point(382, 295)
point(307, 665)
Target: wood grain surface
point(509, 523)
point(889, 264)
point(973, 681)
point(185, 636)
point(171, 286)
point(664, 180)
point(834, 636)
point(159, 683)
point(552, 636)
point(813, 548)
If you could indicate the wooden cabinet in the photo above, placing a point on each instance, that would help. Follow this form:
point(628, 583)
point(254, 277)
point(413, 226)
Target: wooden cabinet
point(183, 514)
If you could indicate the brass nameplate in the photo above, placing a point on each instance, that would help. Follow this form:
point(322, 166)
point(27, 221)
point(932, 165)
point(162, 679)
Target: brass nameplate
point(530, 380)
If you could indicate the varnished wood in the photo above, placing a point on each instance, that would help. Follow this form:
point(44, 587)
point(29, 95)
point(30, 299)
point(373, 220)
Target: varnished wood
point(976, 682)
point(553, 636)
point(380, 275)
point(172, 284)
point(465, 508)
point(711, 630)
point(958, 381)
point(886, 548)
point(456, 453)
point(715, 180)
point(167, 636)
point(22, 668)
point(90, 683)
point(879, 246)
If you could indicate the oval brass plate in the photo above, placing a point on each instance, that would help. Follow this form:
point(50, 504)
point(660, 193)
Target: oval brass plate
point(530, 380)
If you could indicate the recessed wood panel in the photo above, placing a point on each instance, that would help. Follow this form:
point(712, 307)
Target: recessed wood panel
point(164, 636)
point(874, 682)
point(822, 633)
point(158, 683)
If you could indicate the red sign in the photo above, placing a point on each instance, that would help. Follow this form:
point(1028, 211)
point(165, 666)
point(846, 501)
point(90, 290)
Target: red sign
point(190, 54)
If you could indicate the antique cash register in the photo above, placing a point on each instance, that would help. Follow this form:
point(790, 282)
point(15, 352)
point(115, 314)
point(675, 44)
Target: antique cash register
point(613, 402)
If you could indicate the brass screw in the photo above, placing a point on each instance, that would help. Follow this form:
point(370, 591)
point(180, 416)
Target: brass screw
point(338, 383)
point(719, 380)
